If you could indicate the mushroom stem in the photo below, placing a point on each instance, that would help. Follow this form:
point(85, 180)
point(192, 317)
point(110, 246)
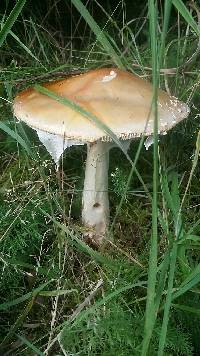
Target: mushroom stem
point(95, 212)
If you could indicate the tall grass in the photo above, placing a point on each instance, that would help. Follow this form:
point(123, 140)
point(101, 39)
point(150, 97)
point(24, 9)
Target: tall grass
point(152, 274)
point(131, 297)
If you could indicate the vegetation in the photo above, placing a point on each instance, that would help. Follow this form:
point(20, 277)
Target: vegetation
point(139, 293)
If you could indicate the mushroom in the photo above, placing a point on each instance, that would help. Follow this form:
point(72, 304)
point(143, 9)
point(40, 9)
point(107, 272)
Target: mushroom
point(122, 101)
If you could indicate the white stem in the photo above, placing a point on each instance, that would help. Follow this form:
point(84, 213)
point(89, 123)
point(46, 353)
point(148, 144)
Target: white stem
point(95, 213)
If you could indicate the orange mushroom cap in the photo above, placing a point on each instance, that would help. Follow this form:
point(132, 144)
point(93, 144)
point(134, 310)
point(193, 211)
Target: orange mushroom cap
point(121, 100)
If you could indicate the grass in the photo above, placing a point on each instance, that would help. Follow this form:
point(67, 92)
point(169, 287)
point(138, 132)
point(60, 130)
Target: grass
point(138, 294)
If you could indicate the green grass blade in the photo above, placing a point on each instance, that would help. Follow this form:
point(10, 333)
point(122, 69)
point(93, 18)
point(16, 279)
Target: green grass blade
point(55, 293)
point(11, 20)
point(98, 32)
point(22, 45)
point(178, 226)
point(102, 302)
point(108, 298)
point(179, 230)
point(34, 292)
point(31, 346)
point(150, 314)
point(18, 322)
point(81, 245)
point(186, 308)
point(167, 194)
point(162, 279)
point(192, 238)
point(40, 41)
point(192, 280)
point(186, 15)
point(40, 270)
point(14, 135)
point(167, 12)
point(128, 184)
point(194, 165)
point(168, 301)
point(193, 228)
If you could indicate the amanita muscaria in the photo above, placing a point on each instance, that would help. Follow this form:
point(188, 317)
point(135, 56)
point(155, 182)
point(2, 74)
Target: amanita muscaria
point(122, 101)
